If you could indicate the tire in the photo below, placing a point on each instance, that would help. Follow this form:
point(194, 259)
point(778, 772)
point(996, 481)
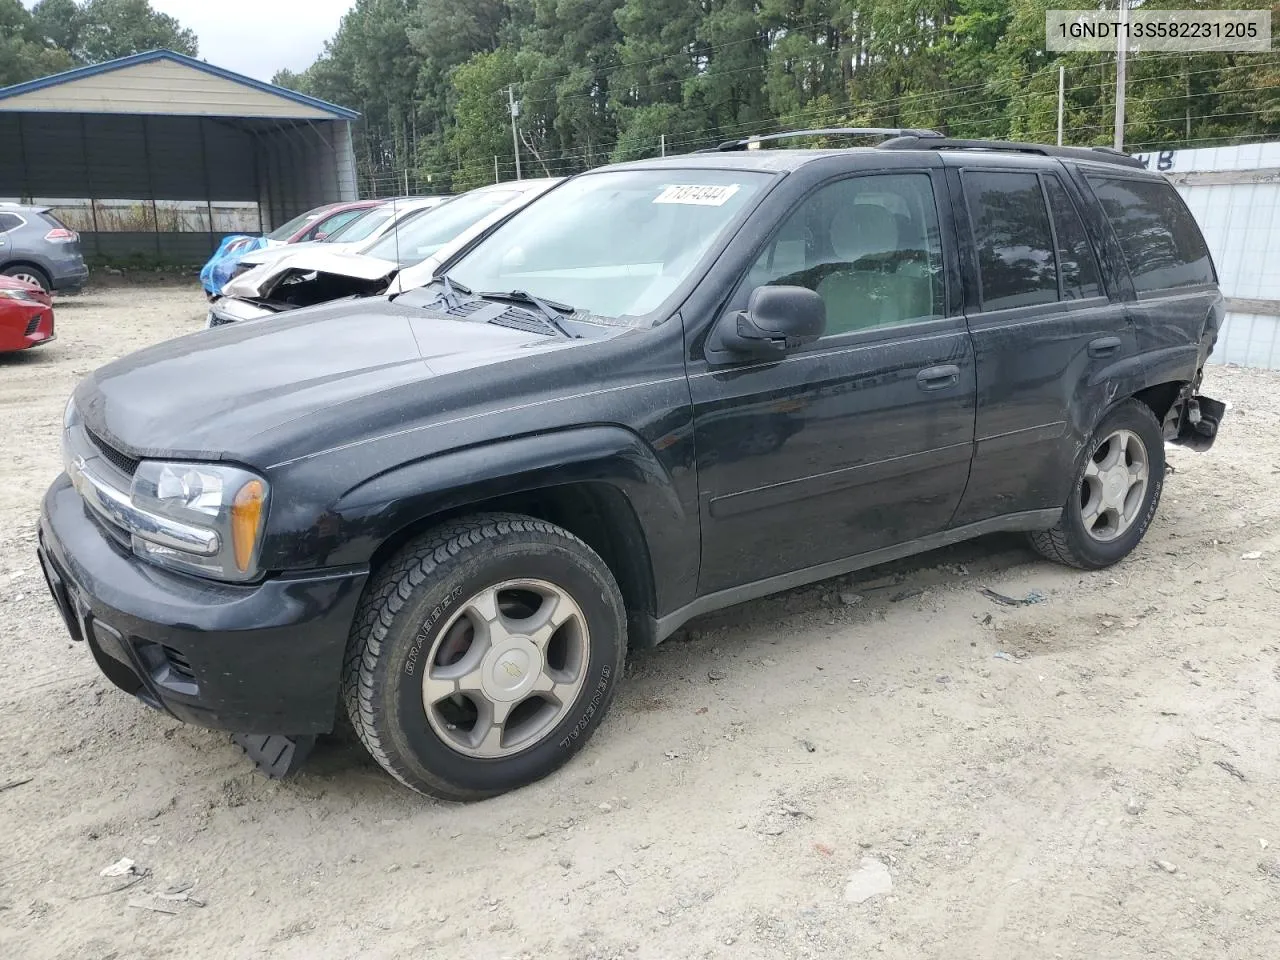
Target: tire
point(30, 274)
point(1088, 541)
point(430, 617)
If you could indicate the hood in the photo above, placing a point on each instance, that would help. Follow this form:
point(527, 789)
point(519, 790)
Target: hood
point(259, 282)
point(274, 252)
point(36, 294)
point(248, 391)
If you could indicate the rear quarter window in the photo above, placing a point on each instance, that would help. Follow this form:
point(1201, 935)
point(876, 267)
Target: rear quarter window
point(9, 221)
point(1160, 240)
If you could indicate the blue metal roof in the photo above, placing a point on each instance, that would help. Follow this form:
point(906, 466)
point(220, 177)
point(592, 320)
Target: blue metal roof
point(79, 73)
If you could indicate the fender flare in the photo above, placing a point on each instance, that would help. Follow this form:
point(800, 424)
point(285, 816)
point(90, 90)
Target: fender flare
point(379, 508)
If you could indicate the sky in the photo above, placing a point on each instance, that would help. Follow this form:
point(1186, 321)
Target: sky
point(257, 37)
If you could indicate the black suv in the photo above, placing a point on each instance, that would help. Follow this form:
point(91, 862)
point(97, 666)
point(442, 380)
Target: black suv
point(662, 388)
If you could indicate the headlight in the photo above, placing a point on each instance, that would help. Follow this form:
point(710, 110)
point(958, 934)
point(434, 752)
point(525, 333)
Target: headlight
point(219, 511)
point(30, 295)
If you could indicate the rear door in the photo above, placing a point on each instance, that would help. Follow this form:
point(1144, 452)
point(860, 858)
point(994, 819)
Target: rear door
point(1043, 325)
point(1175, 286)
point(862, 439)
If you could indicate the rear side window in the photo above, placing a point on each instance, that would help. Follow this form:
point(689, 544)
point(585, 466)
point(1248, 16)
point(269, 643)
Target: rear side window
point(1158, 236)
point(1076, 262)
point(1011, 232)
point(9, 221)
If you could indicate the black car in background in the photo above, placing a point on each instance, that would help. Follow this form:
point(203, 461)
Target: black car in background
point(661, 388)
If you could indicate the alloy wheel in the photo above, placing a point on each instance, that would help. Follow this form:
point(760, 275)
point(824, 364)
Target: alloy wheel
point(506, 668)
point(1114, 486)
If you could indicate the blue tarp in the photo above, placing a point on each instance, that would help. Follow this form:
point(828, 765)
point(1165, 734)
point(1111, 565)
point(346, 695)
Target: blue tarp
point(218, 270)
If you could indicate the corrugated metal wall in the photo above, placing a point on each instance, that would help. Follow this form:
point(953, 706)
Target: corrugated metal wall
point(1234, 193)
point(141, 162)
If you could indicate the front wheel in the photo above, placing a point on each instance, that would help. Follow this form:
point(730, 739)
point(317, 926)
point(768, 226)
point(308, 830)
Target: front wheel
point(1116, 493)
point(484, 655)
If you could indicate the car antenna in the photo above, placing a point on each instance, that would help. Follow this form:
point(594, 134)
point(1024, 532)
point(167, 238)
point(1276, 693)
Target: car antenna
point(395, 224)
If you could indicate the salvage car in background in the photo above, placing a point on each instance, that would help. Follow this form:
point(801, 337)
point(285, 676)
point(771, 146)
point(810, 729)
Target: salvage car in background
point(26, 315)
point(373, 223)
point(38, 248)
point(316, 224)
point(397, 260)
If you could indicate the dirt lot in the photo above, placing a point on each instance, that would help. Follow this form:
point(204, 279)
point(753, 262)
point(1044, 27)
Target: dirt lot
point(1092, 775)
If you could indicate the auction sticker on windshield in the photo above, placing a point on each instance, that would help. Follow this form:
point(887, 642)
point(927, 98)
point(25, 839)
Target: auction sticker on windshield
point(698, 196)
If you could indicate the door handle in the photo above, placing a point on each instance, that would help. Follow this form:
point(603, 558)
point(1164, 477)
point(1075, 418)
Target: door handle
point(937, 378)
point(1104, 346)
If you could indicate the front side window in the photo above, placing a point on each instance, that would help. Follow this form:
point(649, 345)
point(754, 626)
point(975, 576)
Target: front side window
point(615, 244)
point(1016, 263)
point(869, 246)
point(1158, 236)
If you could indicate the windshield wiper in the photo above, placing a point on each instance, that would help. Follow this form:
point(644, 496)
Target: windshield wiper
point(552, 312)
point(449, 292)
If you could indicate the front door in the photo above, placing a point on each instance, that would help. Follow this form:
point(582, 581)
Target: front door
point(862, 439)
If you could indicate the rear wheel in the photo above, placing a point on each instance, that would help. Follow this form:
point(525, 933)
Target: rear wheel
point(1116, 493)
point(28, 274)
point(484, 655)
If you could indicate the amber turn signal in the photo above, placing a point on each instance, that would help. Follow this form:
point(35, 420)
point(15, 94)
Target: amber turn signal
point(246, 517)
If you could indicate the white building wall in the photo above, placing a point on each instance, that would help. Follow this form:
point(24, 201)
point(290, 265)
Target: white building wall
point(1239, 212)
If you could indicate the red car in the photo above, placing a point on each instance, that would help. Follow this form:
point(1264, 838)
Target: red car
point(321, 222)
point(26, 315)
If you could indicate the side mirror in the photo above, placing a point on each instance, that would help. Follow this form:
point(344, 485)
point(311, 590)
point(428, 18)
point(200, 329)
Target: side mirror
point(776, 318)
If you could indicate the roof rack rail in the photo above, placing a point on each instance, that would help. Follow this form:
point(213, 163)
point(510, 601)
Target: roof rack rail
point(908, 141)
point(750, 143)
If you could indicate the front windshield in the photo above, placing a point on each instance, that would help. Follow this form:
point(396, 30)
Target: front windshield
point(413, 242)
point(287, 230)
point(611, 244)
point(363, 226)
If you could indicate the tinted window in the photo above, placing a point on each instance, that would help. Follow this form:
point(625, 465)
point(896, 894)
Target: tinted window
point(1159, 237)
point(1075, 253)
point(1014, 245)
point(869, 245)
point(8, 222)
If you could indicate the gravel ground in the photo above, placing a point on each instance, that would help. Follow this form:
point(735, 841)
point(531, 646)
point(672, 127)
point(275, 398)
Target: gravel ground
point(1092, 775)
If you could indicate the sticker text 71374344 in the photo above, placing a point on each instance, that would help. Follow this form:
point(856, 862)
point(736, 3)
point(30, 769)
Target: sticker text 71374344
point(698, 196)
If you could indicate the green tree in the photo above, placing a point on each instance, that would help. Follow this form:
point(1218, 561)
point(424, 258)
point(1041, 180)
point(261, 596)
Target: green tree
point(100, 30)
point(24, 53)
point(481, 131)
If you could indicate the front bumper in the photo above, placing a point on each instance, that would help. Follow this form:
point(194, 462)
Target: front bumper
point(262, 658)
point(226, 310)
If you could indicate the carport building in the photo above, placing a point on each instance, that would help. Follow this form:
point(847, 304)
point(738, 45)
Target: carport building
point(156, 156)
